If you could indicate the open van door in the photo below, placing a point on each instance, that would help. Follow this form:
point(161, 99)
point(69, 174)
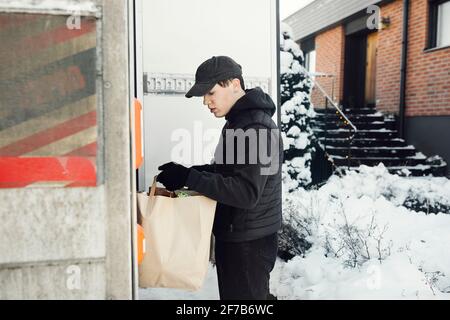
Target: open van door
point(175, 38)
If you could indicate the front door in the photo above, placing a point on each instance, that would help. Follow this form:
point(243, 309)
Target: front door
point(360, 69)
point(371, 67)
point(355, 70)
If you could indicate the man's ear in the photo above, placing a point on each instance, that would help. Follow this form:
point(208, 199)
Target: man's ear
point(236, 84)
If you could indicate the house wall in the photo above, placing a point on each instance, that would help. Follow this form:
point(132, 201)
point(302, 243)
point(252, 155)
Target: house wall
point(427, 88)
point(389, 59)
point(330, 59)
point(428, 73)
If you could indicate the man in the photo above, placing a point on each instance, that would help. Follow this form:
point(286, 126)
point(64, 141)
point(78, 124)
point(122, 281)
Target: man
point(245, 179)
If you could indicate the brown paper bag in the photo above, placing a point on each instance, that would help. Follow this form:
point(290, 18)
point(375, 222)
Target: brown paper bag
point(177, 235)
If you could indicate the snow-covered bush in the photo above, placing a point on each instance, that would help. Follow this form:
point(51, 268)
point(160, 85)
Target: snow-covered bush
point(356, 245)
point(293, 238)
point(296, 113)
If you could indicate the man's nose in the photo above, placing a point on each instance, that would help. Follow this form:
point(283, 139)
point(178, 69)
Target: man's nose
point(205, 102)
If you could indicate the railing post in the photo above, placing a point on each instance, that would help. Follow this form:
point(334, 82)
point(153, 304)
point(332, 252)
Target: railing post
point(326, 126)
point(349, 149)
point(332, 87)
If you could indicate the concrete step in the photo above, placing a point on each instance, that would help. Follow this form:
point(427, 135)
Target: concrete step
point(376, 125)
point(361, 111)
point(369, 152)
point(343, 142)
point(352, 117)
point(360, 134)
point(374, 161)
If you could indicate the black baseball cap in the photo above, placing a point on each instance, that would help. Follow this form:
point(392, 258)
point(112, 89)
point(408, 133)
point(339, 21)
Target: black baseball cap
point(210, 72)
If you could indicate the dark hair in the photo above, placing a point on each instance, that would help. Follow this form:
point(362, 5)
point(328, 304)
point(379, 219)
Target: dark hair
point(226, 82)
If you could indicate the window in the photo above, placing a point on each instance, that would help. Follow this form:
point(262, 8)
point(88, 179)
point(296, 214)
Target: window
point(309, 50)
point(310, 61)
point(439, 23)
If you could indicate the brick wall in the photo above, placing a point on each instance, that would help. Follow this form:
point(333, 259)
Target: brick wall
point(428, 73)
point(389, 59)
point(330, 59)
point(428, 80)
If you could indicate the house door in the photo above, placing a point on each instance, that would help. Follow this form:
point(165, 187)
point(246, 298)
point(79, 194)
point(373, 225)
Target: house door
point(360, 69)
point(170, 45)
point(355, 70)
point(371, 67)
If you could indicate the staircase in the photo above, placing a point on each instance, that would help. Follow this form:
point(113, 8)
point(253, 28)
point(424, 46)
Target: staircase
point(376, 141)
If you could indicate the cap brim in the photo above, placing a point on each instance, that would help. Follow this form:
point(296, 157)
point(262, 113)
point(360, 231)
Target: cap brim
point(199, 89)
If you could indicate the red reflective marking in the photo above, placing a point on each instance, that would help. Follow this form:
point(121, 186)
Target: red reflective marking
point(23, 171)
point(48, 136)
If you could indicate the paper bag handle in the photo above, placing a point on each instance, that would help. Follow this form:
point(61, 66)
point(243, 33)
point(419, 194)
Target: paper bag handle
point(153, 188)
point(150, 201)
point(152, 193)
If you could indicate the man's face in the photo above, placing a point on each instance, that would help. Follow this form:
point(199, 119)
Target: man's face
point(220, 100)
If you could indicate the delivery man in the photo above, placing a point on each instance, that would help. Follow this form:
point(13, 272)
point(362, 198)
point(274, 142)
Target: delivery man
point(244, 179)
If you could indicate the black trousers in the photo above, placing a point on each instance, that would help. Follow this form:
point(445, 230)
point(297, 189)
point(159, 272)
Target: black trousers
point(243, 268)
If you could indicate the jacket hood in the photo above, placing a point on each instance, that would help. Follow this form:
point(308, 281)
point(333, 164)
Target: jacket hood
point(254, 99)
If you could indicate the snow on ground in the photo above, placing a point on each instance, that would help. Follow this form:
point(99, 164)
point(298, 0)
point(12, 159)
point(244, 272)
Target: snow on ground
point(357, 220)
point(365, 244)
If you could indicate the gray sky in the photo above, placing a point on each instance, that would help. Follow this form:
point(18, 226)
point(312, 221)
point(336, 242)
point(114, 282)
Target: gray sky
point(287, 7)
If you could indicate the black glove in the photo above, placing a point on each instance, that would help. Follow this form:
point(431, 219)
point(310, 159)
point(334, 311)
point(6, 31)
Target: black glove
point(173, 176)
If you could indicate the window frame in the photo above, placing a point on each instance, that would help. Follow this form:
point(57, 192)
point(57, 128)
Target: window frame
point(433, 12)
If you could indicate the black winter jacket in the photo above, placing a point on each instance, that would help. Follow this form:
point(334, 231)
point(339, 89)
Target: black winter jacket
point(248, 200)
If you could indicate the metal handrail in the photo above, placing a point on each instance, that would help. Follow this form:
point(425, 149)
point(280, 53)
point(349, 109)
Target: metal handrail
point(328, 98)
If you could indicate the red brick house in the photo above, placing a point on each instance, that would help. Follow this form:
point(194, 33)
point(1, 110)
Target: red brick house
point(400, 66)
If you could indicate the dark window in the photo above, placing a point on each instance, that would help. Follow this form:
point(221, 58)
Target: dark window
point(309, 50)
point(439, 35)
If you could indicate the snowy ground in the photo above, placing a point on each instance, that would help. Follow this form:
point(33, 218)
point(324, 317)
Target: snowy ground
point(365, 244)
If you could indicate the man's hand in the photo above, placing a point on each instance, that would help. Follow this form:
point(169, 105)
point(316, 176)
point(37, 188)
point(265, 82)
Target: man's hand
point(173, 176)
